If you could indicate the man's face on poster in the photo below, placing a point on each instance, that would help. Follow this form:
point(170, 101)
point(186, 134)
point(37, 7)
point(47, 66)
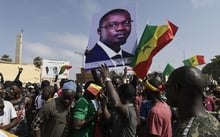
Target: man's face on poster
point(115, 29)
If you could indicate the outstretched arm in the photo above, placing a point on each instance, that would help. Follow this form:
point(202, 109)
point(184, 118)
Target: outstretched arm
point(112, 92)
point(19, 73)
point(105, 111)
point(10, 125)
point(55, 84)
point(2, 78)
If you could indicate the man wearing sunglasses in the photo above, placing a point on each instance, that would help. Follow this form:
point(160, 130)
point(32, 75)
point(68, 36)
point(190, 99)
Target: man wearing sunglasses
point(114, 29)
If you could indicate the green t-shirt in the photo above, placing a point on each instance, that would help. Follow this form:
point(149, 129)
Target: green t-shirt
point(84, 109)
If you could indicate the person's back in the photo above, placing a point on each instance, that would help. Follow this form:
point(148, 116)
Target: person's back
point(125, 126)
point(55, 123)
point(145, 107)
point(158, 121)
point(184, 91)
point(123, 102)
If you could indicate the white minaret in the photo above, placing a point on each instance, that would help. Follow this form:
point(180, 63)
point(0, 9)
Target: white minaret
point(18, 52)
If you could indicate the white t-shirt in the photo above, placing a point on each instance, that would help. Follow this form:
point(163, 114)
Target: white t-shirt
point(9, 113)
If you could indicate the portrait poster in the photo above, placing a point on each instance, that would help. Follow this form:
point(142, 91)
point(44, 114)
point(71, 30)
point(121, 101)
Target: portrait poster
point(51, 68)
point(121, 28)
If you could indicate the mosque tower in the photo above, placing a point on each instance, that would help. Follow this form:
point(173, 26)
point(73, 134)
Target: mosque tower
point(18, 52)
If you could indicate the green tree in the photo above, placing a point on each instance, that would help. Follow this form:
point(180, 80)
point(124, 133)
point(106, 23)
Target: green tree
point(37, 62)
point(213, 69)
point(6, 58)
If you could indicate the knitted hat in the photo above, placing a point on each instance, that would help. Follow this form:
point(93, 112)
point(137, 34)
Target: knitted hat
point(70, 85)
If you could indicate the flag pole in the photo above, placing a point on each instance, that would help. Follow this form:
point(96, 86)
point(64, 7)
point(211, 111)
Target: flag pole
point(184, 54)
point(148, 21)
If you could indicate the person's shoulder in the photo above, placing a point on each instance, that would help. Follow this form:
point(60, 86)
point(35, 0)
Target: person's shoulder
point(49, 106)
point(206, 125)
point(97, 53)
point(7, 103)
point(51, 102)
point(160, 108)
point(82, 99)
point(212, 119)
point(96, 48)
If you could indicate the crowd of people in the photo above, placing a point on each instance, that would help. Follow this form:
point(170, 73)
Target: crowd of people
point(119, 106)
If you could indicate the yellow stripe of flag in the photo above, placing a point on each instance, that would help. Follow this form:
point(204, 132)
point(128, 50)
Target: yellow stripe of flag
point(94, 89)
point(193, 60)
point(152, 44)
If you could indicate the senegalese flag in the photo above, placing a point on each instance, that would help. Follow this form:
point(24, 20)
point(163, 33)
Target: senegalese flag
point(194, 61)
point(168, 70)
point(153, 39)
point(63, 68)
point(94, 89)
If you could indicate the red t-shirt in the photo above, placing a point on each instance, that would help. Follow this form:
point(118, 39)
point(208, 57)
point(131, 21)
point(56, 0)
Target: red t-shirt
point(159, 120)
point(209, 103)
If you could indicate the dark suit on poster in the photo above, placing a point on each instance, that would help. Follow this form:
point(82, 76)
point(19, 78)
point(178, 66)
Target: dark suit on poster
point(97, 53)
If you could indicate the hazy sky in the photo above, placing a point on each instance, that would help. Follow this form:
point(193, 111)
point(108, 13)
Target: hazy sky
point(56, 29)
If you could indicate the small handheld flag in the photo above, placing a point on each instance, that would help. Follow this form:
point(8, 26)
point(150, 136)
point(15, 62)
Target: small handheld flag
point(94, 89)
point(63, 68)
point(194, 61)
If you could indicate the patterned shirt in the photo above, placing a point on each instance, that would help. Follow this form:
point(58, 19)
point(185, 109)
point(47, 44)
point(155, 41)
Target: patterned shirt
point(51, 119)
point(199, 126)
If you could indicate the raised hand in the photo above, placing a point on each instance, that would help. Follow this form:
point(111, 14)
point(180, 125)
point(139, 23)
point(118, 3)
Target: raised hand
point(104, 71)
point(20, 70)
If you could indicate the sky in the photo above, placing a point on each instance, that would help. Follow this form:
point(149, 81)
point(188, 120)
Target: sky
point(59, 29)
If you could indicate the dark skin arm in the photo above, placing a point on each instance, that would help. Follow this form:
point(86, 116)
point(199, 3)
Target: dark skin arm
point(19, 73)
point(78, 123)
point(28, 102)
point(36, 133)
point(136, 104)
point(55, 85)
point(96, 77)
point(10, 125)
point(106, 113)
point(2, 78)
point(112, 92)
